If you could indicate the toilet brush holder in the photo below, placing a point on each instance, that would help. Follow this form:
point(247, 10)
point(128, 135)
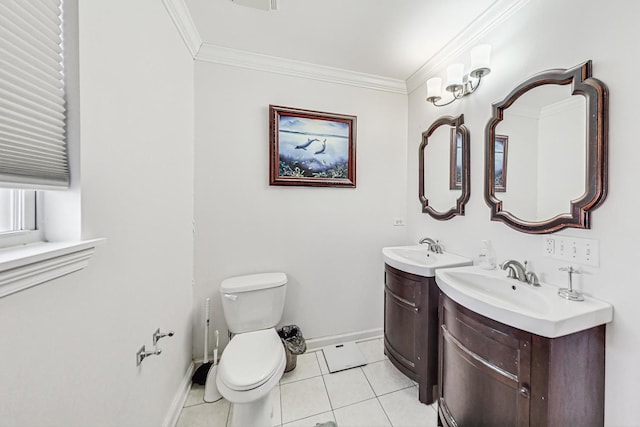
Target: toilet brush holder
point(211, 393)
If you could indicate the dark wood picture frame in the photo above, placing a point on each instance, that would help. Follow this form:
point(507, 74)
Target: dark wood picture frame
point(311, 148)
point(501, 178)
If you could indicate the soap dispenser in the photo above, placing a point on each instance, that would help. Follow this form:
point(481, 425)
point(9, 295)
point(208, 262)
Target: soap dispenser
point(487, 256)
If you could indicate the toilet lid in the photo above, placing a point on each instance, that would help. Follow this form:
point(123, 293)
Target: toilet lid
point(250, 359)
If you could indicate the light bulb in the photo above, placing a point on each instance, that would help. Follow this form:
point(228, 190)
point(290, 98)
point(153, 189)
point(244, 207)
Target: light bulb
point(455, 74)
point(434, 89)
point(480, 60)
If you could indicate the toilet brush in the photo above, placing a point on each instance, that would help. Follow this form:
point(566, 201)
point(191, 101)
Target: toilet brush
point(200, 376)
point(211, 393)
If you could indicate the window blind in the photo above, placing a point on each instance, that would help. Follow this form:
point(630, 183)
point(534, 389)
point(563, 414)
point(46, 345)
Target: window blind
point(33, 149)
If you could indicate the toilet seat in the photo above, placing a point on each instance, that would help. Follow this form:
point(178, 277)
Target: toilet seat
point(251, 359)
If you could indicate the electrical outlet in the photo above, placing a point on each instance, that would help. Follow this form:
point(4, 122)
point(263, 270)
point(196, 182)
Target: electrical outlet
point(562, 249)
point(572, 249)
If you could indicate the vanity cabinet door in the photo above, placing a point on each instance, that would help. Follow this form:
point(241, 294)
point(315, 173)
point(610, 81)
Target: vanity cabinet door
point(411, 328)
point(401, 320)
point(491, 374)
point(484, 370)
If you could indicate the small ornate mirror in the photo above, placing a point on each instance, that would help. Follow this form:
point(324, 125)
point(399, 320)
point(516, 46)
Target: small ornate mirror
point(443, 186)
point(555, 127)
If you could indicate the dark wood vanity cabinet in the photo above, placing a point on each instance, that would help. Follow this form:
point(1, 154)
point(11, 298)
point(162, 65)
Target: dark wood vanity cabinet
point(494, 375)
point(411, 328)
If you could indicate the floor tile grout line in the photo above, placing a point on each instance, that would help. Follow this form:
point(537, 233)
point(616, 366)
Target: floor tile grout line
point(312, 415)
point(325, 387)
point(308, 416)
point(301, 379)
point(280, 396)
point(352, 403)
point(395, 391)
point(378, 398)
point(383, 410)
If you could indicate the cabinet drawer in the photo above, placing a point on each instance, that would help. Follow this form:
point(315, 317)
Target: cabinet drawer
point(403, 286)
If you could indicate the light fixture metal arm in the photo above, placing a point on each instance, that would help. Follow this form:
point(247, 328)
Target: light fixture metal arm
point(466, 89)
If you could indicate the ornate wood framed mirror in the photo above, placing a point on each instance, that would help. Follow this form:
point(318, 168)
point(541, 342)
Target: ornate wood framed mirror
point(556, 125)
point(443, 182)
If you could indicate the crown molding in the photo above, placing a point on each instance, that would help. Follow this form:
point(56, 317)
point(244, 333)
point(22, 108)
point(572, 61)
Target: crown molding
point(493, 16)
point(181, 18)
point(489, 20)
point(254, 61)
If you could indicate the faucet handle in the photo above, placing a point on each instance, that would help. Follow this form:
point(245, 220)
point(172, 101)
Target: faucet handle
point(530, 276)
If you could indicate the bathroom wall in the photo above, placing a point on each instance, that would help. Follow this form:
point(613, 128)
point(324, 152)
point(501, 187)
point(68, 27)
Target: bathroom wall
point(67, 347)
point(522, 152)
point(545, 35)
point(327, 240)
point(563, 130)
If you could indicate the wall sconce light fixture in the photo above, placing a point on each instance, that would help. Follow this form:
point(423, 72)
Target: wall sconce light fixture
point(459, 84)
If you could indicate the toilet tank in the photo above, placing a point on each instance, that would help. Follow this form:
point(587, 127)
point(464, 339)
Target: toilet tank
point(253, 302)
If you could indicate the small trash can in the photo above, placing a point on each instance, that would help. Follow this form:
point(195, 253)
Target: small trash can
point(294, 344)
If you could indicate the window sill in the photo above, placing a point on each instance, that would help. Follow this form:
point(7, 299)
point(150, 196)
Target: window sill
point(30, 265)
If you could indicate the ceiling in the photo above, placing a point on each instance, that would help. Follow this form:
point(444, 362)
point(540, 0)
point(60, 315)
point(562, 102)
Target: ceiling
point(387, 38)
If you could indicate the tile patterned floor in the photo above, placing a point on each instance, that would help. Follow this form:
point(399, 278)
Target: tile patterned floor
point(376, 394)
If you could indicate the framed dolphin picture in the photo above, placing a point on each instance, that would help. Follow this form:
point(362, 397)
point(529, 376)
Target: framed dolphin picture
point(311, 148)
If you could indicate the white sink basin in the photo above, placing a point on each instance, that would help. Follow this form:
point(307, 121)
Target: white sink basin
point(417, 259)
point(538, 310)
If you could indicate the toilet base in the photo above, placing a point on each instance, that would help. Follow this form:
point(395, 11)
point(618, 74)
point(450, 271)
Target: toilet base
point(258, 413)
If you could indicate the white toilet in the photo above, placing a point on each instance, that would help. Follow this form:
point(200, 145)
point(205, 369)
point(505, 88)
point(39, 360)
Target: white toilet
point(254, 360)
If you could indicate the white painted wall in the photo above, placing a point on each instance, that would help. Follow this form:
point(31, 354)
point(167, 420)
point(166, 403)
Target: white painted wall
point(541, 36)
point(327, 240)
point(561, 154)
point(68, 346)
point(522, 155)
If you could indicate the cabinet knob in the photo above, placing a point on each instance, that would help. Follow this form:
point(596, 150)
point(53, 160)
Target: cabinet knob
point(524, 391)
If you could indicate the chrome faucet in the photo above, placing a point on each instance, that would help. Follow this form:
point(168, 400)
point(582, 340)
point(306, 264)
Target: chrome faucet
point(515, 270)
point(434, 245)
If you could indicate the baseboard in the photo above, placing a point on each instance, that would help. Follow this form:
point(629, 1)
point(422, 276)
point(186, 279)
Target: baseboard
point(171, 419)
point(317, 343)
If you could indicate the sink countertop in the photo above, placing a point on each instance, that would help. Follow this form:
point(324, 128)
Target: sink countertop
point(418, 260)
point(538, 310)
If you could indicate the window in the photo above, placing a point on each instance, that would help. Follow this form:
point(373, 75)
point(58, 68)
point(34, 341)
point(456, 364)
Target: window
point(32, 97)
point(33, 144)
point(17, 210)
point(33, 150)
point(18, 217)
